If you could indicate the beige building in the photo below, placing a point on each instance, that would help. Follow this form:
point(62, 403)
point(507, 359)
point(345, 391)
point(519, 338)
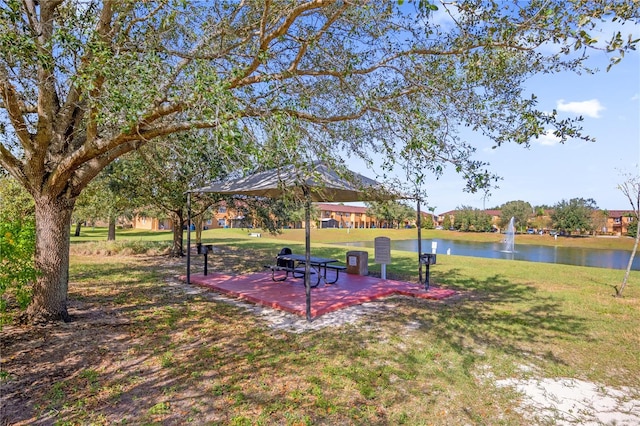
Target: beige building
point(152, 223)
point(342, 216)
point(618, 221)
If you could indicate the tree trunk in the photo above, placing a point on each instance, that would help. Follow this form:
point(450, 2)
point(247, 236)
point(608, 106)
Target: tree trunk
point(626, 274)
point(78, 227)
point(111, 236)
point(176, 250)
point(53, 226)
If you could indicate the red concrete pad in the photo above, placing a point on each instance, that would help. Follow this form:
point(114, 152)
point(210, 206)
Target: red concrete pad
point(289, 295)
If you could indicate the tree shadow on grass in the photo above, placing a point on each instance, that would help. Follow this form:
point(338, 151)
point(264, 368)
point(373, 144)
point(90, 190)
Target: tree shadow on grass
point(496, 313)
point(133, 344)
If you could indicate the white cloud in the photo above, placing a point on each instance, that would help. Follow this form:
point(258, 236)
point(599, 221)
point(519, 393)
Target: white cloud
point(589, 108)
point(635, 97)
point(548, 139)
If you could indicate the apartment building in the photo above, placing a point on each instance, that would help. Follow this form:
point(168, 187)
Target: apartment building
point(342, 216)
point(618, 221)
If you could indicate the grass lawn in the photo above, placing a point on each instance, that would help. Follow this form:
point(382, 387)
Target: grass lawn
point(146, 349)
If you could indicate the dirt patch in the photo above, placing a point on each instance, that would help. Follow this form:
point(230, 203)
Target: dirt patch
point(568, 401)
point(565, 401)
point(35, 358)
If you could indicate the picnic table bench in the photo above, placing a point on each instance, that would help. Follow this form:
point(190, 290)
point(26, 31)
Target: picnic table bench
point(336, 268)
point(295, 272)
point(294, 264)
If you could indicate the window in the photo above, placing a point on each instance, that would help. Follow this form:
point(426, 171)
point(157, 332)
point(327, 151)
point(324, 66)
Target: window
point(221, 223)
point(222, 209)
point(616, 220)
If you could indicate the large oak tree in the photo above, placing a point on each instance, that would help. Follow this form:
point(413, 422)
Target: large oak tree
point(84, 82)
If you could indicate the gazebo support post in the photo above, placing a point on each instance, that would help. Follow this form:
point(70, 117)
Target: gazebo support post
point(307, 251)
point(188, 237)
point(419, 223)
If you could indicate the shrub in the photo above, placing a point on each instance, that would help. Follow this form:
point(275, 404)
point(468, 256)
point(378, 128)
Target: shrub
point(17, 245)
point(17, 272)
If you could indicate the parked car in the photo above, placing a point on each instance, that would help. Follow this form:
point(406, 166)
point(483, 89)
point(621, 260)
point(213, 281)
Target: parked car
point(531, 231)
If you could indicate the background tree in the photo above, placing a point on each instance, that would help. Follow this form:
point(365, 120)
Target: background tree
point(472, 219)
point(599, 221)
point(520, 210)
point(83, 83)
point(83, 211)
point(542, 218)
point(393, 213)
point(447, 223)
point(406, 214)
point(427, 221)
point(574, 215)
point(295, 215)
point(159, 174)
point(463, 219)
point(631, 189)
point(105, 199)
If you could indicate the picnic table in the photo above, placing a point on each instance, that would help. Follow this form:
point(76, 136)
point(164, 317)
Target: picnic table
point(297, 262)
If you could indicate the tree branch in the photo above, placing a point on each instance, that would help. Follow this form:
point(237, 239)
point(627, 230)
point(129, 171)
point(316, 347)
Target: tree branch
point(13, 166)
point(12, 104)
point(303, 48)
point(47, 96)
point(103, 28)
point(279, 31)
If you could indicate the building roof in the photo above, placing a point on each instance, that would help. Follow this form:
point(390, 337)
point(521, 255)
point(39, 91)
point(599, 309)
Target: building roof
point(340, 208)
point(489, 212)
point(620, 213)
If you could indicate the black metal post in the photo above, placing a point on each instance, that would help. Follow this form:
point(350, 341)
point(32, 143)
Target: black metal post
point(205, 251)
point(428, 259)
point(426, 279)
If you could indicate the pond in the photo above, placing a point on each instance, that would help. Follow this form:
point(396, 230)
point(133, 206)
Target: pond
point(614, 259)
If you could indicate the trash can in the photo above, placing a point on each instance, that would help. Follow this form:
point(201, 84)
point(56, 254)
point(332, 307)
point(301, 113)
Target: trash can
point(357, 262)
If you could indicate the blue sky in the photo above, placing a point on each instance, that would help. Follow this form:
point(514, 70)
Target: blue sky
point(548, 172)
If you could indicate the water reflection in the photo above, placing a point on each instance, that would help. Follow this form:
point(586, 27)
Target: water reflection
point(614, 259)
